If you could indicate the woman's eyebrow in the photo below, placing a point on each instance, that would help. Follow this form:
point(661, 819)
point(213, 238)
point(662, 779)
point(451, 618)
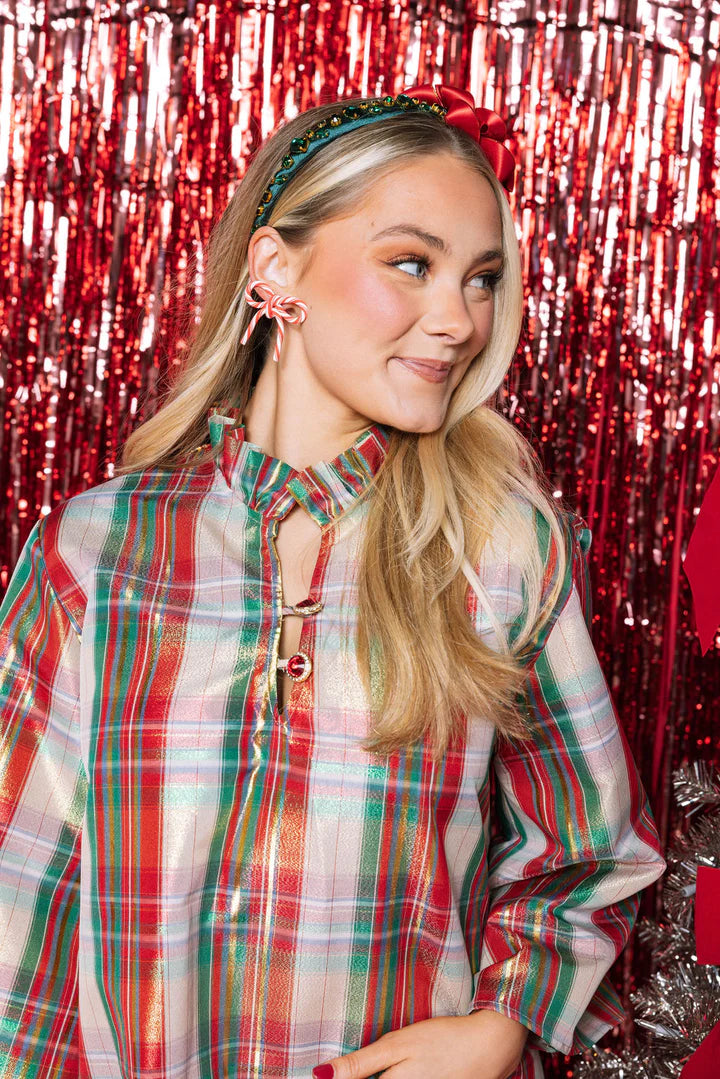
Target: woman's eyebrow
point(434, 241)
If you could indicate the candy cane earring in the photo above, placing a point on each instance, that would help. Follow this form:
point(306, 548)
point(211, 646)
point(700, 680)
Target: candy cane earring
point(272, 306)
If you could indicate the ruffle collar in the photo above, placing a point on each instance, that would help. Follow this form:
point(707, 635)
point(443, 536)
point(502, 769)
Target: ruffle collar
point(270, 485)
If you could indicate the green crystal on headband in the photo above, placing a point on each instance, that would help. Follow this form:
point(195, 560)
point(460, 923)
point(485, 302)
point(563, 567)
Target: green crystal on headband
point(363, 111)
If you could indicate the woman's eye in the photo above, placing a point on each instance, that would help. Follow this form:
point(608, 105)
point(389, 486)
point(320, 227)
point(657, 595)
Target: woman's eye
point(405, 261)
point(488, 280)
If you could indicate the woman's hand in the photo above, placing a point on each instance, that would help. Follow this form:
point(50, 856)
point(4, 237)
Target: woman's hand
point(482, 1045)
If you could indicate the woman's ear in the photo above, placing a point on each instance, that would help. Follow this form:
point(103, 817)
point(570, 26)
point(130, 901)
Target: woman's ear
point(268, 258)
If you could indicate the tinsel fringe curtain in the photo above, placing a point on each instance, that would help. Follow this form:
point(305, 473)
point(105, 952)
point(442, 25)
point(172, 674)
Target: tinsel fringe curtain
point(125, 129)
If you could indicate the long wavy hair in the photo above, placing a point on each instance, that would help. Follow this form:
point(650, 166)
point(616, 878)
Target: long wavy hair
point(438, 497)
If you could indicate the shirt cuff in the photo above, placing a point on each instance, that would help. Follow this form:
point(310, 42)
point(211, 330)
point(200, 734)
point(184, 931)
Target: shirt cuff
point(563, 1034)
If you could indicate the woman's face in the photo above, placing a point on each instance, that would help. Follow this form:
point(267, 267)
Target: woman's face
point(407, 278)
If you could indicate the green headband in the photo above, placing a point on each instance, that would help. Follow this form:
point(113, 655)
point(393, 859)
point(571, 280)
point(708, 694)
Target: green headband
point(352, 116)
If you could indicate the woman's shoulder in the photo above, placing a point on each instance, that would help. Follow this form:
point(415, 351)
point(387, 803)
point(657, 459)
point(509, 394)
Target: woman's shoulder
point(121, 496)
point(523, 522)
point(561, 567)
point(96, 525)
point(135, 488)
point(524, 546)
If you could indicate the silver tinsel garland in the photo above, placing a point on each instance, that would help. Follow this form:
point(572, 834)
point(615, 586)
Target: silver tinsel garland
point(681, 1003)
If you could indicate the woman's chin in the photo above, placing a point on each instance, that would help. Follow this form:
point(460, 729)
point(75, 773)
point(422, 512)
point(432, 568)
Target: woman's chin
point(418, 420)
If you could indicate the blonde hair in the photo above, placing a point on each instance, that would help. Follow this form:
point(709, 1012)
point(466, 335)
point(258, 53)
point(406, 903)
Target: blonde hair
point(438, 497)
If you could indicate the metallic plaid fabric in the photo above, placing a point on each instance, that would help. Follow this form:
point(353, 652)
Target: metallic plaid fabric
point(193, 884)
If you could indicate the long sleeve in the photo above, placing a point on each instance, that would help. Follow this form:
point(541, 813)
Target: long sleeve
point(43, 790)
point(574, 839)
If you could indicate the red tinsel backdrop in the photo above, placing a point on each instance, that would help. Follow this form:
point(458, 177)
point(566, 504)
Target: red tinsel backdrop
point(125, 128)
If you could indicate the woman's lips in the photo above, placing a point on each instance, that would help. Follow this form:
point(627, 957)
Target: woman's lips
point(426, 371)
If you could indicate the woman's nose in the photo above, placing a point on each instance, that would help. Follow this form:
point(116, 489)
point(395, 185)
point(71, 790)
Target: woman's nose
point(448, 313)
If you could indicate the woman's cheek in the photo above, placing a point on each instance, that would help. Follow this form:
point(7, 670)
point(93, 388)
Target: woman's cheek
point(376, 304)
point(484, 323)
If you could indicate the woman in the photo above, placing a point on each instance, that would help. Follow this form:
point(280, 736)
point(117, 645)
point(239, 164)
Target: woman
point(309, 764)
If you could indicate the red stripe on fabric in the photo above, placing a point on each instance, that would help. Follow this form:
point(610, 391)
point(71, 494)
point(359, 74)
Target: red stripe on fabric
point(26, 730)
point(411, 862)
point(560, 792)
point(41, 638)
point(160, 532)
point(232, 873)
point(69, 590)
point(149, 746)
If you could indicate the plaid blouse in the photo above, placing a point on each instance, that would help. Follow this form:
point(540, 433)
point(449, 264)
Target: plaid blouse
point(194, 883)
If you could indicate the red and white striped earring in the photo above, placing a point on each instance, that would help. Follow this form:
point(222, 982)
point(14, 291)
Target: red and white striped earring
point(272, 306)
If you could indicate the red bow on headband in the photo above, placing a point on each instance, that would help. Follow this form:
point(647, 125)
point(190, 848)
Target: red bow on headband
point(482, 125)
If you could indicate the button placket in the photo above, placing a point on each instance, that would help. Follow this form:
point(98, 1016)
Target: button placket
point(299, 666)
point(304, 607)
